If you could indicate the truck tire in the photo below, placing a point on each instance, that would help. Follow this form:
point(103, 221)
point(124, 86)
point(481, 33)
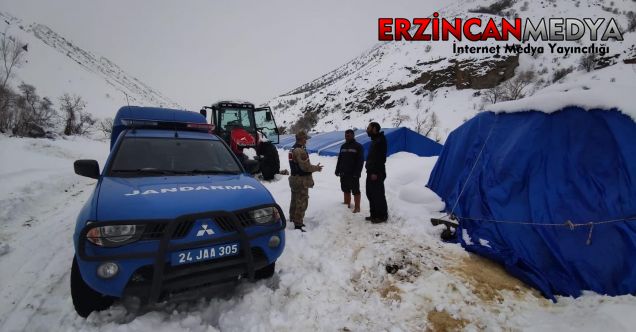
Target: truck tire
point(270, 162)
point(85, 299)
point(266, 272)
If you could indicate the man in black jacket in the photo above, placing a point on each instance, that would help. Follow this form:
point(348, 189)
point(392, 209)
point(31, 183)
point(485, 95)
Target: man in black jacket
point(349, 169)
point(376, 173)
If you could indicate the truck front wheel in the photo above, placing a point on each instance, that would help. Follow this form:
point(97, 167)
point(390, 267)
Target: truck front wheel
point(85, 299)
point(266, 272)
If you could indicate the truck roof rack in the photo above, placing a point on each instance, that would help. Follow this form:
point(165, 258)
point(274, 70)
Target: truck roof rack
point(136, 117)
point(167, 125)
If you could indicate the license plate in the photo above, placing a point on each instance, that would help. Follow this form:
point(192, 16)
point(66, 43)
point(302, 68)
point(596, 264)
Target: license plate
point(204, 254)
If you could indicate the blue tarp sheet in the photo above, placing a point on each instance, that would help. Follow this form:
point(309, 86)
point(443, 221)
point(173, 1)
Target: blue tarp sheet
point(398, 139)
point(536, 169)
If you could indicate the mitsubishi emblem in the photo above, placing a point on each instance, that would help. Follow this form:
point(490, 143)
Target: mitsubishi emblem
point(205, 230)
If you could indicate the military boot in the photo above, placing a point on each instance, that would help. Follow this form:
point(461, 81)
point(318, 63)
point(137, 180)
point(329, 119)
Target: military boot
point(347, 199)
point(356, 202)
point(299, 226)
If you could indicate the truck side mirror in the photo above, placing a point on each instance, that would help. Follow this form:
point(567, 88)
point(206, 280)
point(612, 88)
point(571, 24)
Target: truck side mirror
point(88, 168)
point(204, 112)
point(268, 116)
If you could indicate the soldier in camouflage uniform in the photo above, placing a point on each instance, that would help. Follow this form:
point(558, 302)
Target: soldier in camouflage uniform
point(300, 179)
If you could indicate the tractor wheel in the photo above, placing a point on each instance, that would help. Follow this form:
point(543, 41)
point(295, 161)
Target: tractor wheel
point(270, 162)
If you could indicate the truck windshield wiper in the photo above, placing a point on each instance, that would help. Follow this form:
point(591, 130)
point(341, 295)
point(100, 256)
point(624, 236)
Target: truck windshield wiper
point(148, 170)
point(211, 171)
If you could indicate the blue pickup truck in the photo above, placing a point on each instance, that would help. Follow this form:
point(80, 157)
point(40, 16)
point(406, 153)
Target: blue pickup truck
point(174, 215)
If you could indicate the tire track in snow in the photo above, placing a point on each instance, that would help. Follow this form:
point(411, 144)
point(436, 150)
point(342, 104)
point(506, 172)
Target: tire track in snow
point(41, 257)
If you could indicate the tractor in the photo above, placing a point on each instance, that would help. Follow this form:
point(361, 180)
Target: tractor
point(244, 126)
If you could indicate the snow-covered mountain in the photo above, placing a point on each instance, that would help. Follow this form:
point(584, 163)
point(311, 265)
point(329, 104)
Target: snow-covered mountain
point(343, 274)
point(425, 86)
point(54, 65)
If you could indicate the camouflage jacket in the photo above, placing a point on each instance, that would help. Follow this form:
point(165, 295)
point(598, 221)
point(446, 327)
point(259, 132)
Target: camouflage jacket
point(301, 157)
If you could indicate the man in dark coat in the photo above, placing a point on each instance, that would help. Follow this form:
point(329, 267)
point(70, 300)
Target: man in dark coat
point(349, 169)
point(376, 174)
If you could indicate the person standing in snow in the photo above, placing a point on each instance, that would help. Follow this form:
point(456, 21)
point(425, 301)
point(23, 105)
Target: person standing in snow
point(300, 180)
point(349, 169)
point(376, 174)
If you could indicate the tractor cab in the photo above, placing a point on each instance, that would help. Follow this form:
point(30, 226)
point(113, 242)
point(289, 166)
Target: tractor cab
point(243, 126)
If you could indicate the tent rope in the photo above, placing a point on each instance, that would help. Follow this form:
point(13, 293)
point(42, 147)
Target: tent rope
point(470, 174)
point(589, 235)
point(568, 223)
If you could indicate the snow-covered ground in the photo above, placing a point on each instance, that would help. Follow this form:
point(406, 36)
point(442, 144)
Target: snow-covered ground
point(344, 274)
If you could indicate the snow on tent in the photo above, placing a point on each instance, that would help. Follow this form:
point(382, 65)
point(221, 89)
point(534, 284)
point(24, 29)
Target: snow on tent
point(398, 139)
point(549, 194)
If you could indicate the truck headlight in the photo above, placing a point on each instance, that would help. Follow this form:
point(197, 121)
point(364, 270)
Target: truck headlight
point(264, 216)
point(114, 235)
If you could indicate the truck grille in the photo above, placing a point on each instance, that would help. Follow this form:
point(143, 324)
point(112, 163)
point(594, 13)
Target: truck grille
point(155, 231)
point(227, 225)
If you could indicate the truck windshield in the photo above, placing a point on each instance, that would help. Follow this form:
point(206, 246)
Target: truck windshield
point(172, 156)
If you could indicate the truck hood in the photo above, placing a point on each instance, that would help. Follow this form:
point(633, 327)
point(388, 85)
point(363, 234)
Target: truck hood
point(170, 197)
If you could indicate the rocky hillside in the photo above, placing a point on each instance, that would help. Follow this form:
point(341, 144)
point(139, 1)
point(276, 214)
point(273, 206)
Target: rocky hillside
point(425, 86)
point(55, 65)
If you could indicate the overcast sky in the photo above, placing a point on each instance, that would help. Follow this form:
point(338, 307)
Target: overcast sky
point(197, 51)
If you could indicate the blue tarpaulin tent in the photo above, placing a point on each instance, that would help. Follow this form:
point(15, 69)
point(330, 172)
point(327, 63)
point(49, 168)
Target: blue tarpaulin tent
point(552, 197)
point(398, 139)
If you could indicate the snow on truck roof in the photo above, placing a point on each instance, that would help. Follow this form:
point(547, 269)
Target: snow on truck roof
point(233, 101)
point(158, 114)
point(606, 91)
point(134, 116)
point(162, 133)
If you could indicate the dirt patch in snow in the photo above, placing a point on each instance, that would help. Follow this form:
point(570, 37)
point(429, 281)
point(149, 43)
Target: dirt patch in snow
point(443, 321)
point(488, 279)
point(390, 292)
point(406, 266)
